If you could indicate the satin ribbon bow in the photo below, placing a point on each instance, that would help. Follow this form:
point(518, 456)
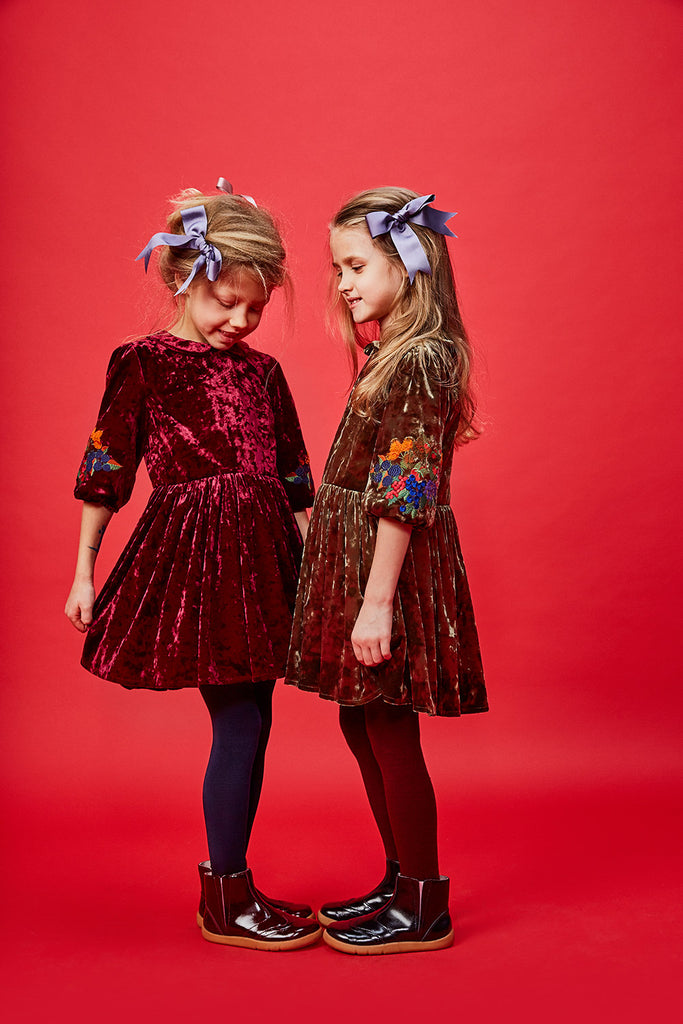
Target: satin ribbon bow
point(408, 245)
point(224, 186)
point(194, 222)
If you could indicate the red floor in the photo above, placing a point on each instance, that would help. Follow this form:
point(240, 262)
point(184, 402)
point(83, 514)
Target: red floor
point(567, 906)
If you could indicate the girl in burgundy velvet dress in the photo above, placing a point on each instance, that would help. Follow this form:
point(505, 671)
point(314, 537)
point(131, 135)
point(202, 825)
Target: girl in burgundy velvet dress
point(383, 621)
point(203, 593)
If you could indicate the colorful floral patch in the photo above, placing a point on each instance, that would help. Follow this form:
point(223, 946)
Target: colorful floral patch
point(408, 474)
point(96, 458)
point(302, 474)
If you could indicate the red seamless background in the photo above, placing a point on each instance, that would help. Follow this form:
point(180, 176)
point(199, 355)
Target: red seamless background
point(552, 129)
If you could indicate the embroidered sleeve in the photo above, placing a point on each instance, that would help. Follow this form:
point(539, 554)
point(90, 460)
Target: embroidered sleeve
point(406, 466)
point(405, 479)
point(293, 464)
point(115, 447)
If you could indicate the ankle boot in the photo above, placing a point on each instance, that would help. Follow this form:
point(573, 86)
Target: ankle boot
point(235, 914)
point(301, 910)
point(338, 913)
point(414, 920)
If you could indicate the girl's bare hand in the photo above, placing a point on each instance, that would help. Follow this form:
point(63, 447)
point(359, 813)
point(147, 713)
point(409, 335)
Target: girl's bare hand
point(371, 636)
point(79, 605)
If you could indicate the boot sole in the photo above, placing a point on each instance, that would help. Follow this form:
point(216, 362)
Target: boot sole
point(389, 947)
point(273, 945)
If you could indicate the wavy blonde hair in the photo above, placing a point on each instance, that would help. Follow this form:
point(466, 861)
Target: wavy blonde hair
point(426, 317)
point(246, 237)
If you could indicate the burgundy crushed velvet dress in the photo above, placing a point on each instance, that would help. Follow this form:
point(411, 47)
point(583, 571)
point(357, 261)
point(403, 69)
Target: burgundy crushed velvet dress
point(398, 467)
point(204, 590)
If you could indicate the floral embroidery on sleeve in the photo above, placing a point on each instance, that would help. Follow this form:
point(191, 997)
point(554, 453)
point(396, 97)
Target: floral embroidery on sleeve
point(408, 474)
point(302, 473)
point(96, 457)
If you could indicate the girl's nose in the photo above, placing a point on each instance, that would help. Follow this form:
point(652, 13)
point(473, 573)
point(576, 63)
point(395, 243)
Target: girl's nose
point(343, 285)
point(238, 317)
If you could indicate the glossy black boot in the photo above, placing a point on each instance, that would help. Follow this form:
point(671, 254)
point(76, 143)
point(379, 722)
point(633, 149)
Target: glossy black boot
point(235, 914)
point(301, 910)
point(338, 913)
point(415, 920)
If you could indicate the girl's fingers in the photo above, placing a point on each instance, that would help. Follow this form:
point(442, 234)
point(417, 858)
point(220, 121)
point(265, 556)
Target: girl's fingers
point(375, 654)
point(371, 654)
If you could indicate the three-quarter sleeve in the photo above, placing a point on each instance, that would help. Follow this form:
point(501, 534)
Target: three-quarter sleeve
point(293, 464)
point(116, 445)
point(405, 470)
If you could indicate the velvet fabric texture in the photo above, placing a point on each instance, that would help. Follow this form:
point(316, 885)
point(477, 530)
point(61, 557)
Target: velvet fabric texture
point(398, 466)
point(203, 591)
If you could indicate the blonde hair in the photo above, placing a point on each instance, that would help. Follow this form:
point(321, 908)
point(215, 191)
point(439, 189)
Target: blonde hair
point(246, 237)
point(426, 316)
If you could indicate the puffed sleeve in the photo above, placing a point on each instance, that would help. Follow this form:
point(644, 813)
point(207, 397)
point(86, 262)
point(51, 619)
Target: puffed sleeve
point(405, 470)
point(116, 445)
point(293, 464)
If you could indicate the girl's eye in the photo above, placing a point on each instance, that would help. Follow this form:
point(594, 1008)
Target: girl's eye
point(357, 269)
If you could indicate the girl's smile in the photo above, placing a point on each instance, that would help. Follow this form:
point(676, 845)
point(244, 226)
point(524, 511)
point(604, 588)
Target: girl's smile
point(222, 312)
point(368, 281)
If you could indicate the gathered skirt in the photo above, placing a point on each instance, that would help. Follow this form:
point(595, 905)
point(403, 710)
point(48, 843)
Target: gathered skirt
point(204, 590)
point(436, 663)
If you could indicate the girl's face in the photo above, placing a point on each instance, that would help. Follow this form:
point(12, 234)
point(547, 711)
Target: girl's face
point(222, 312)
point(368, 281)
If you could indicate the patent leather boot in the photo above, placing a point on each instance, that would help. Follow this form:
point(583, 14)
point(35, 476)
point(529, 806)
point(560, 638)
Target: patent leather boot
point(337, 913)
point(235, 914)
point(301, 910)
point(415, 920)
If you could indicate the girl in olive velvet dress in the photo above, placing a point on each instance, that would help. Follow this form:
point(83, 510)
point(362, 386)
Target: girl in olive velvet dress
point(383, 623)
point(202, 595)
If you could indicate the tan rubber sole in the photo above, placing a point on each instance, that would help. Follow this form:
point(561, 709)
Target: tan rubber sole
point(269, 945)
point(389, 947)
point(324, 919)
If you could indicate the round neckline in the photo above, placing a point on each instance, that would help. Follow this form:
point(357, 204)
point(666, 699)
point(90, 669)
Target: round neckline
point(239, 349)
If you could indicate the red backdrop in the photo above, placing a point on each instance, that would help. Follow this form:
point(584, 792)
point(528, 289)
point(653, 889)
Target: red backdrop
point(551, 129)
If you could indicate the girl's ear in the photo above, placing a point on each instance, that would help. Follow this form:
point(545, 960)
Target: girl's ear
point(179, 280)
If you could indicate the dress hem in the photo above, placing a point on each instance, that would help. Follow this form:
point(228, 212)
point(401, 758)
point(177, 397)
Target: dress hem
point(395, 703)
point(128, 685)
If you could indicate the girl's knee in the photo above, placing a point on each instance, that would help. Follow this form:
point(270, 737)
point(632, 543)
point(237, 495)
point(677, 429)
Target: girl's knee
point(352, 724)
point(393, 730)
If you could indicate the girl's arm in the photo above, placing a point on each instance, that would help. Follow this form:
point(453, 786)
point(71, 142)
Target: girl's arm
point(302, 522)
point(80, 602)
point(371, 636)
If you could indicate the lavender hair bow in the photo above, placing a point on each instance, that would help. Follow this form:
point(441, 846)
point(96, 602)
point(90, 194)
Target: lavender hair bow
point(224, 185)
point(408, 245)
point(195, 224)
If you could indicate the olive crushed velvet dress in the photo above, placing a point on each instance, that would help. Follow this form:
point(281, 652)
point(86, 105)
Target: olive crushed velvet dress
point(204, 590)
point(398, 467)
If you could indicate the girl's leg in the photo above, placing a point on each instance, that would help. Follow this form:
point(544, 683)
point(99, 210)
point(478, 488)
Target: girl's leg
point(263, 693)
point(394, 735)
point(352, 722)
point(236, 722)
point(415, 917)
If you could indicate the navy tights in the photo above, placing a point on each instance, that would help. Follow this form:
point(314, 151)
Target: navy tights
point(241, 716)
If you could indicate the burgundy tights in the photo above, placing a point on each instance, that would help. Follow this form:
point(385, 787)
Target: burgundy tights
point(385, 740)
